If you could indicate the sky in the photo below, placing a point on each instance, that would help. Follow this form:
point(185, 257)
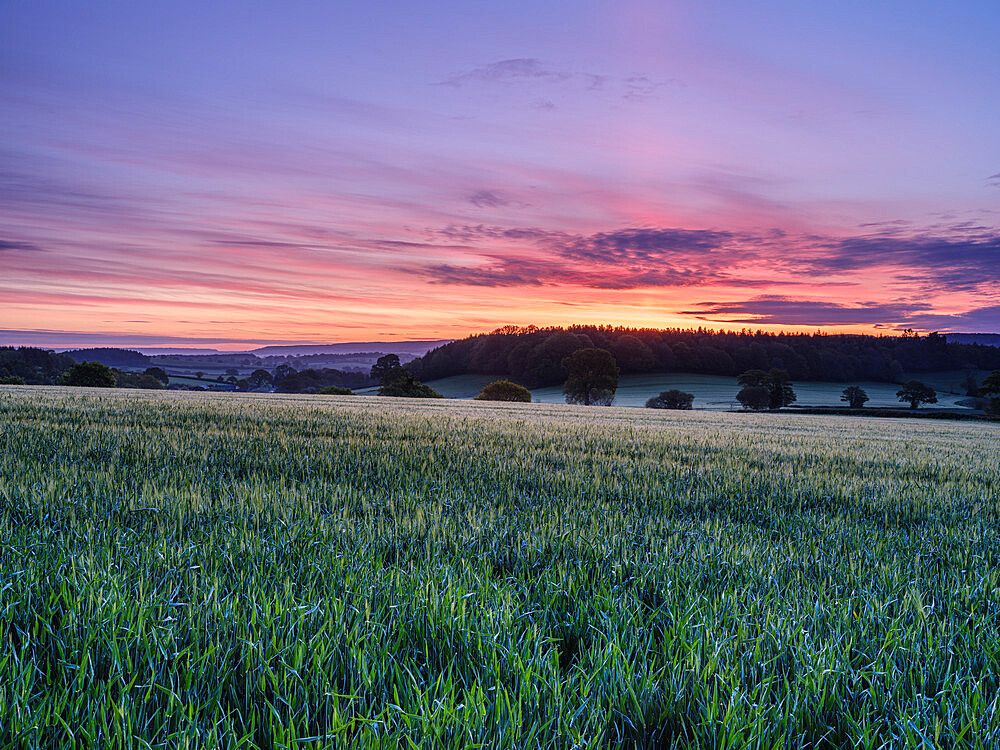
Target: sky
point(235, 173)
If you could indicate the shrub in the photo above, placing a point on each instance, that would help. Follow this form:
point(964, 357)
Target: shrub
point(672, 399)
point(406, 386)
point(335, 390)
point(135, 380)
point(504, 390)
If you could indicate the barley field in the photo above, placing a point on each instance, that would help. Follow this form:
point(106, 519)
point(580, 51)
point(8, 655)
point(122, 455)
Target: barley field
point(187, 570)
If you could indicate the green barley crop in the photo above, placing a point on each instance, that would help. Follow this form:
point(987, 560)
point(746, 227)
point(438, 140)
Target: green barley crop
point(193, 571)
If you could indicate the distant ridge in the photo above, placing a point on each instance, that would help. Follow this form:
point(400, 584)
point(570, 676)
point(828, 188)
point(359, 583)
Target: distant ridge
point(986, 339)
point(414, 348)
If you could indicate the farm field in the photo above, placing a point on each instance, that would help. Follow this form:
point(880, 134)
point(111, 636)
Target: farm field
point(222, 570)
point(710, 391)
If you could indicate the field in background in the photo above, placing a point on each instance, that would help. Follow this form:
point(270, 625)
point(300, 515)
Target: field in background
point(715, 391)
point(193, 569)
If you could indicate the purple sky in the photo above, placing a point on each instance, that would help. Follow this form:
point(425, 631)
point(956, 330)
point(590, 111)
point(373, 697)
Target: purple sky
point(261, 172)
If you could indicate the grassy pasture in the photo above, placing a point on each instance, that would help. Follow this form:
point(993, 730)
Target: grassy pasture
point(236, 570)
point(710, 391)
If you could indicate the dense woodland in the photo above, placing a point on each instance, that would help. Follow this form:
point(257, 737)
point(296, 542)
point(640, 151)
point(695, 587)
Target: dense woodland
point(532, 356)
point(32, 366)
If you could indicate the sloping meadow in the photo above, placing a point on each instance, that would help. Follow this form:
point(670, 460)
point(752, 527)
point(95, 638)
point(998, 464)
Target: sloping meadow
point(191, 570)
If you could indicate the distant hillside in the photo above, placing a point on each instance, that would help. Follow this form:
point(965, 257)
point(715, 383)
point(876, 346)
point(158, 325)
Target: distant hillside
point(414, 348)
point(985, 339)
point(109, 356)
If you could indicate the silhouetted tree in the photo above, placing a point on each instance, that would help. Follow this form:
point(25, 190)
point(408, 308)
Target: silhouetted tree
point(89, 374)
point(387, 369)
point(754, 397)
point(260, 377)
point(672, 399)
point(970, 385)
point(775, 381)
point(407, 386)
point(504, 390)
point(990, 388)
point(855, 396)
point(917, 393)
point(159, 373)
point(592, 377)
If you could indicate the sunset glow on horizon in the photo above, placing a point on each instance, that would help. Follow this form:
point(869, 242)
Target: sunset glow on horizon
point(250, 173)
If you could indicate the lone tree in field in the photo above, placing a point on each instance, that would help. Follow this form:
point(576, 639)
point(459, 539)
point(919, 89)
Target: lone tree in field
point(754, 397)
point(89, 374)
point(917, 393)
point(407, 386)
point(593, 377)
point(387, 369)
point(990, 389)
point(854, 396)
point(504, 390)
point(775, 381)
point(397, 381)
point(672, 399)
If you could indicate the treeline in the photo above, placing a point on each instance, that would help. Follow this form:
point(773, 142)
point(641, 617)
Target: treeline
point(111, 357)
point(25, 364)
point(287, 380)
point(533, 356)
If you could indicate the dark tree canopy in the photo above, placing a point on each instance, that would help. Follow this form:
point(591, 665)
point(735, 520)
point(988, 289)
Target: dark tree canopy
point(335, 390)
point(136, 380)
point(259, 378)
point(990, 389)
point(754, 397)
point(504, 390)
point(775, 381)
point(90, 374)
point(592, 377)
point(288, 380)
point(916, 393)
point(387, 369)
point(970, 385)
point(159, 373)
point(532, 356)
point(110, 356)
point(672, 399)
point(855, 396)
point(406, 386)
point(396, 380)
point(33, 366)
